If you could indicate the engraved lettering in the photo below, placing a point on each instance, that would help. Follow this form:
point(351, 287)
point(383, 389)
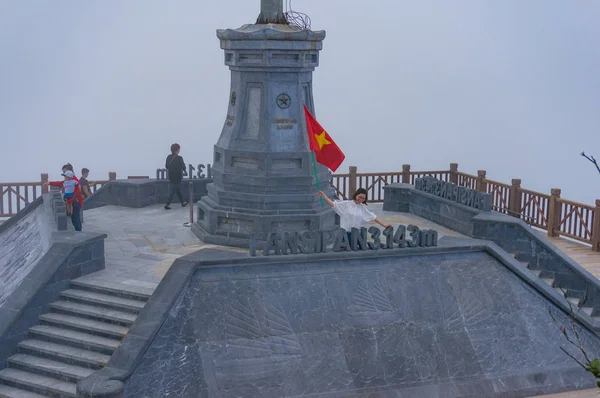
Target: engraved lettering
point(375, 234)
point(414, 234)
point(389, 238)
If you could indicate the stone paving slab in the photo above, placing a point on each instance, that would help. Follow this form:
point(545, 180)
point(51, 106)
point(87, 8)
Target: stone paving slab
point(143, 243)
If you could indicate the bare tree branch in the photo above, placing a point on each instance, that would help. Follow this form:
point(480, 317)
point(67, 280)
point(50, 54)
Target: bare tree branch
point(591, 159)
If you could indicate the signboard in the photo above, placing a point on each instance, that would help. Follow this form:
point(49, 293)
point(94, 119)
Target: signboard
point(191, 173)
point(447, 190)
point(308, 242)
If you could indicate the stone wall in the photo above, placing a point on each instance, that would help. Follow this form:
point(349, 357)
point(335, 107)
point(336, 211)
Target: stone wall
point(142, 192)
point(37, 262)
point(405, 198)
point(511, 234)
point(530, 247)
point(23, 242)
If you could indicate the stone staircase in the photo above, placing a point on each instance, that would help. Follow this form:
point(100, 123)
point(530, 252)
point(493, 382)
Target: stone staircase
point(76, 337)
point(576, 298)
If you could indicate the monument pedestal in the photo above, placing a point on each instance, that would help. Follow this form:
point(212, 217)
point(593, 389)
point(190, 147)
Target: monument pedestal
point(262, 170)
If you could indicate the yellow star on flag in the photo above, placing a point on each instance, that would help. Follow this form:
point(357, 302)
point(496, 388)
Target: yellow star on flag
point(322, 139)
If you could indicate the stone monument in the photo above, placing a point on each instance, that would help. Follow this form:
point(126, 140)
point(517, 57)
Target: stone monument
point(263, 175)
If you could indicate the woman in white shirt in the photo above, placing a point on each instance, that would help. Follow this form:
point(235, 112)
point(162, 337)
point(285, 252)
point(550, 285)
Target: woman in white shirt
point(353, 213)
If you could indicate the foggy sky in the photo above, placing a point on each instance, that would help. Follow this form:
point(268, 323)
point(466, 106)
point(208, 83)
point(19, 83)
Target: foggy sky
point(512, 86)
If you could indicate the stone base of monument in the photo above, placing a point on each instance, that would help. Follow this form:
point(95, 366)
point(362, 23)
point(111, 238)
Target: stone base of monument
point(463, 319)
point(229, 226)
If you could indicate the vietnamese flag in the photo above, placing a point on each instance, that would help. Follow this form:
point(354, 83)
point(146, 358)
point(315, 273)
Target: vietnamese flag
point(326, 151)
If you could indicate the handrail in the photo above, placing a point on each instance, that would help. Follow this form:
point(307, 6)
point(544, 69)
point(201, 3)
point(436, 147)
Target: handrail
point(558, 216)
point(460, 173)
point(530, 192)
point(573, 203)
point(15, 196)
point(501, 184)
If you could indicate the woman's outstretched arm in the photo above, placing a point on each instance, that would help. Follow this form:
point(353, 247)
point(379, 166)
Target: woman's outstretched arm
point(329, 201)
point(378, 221)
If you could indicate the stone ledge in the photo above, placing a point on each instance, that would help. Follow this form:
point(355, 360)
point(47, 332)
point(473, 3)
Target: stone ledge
point(512, 234)
point(139, 193)
point(17, 217)
point(270, 32)
point(72, 254)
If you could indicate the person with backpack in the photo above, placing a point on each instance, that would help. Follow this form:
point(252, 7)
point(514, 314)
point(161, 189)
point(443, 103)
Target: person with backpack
point(176, 167)
point(75, 198)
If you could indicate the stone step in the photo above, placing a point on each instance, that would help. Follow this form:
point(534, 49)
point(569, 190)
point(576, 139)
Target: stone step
point(48, 367)
point(537, 272)
point(86, 324)
point(12, 392)
point(574, 300)
point(587, 310)
point(549, 281)
point(54, 351)
point(106, 300)
point(110, 315)
point(37, 383)
point(74, 338)
point(115, 288)
point(560, 290)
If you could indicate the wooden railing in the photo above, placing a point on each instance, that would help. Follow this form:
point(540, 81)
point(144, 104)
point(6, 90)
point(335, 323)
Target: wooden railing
point(14, 196)
point(559, 217)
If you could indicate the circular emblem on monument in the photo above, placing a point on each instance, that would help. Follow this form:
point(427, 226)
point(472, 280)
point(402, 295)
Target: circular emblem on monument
point(233, 98)
point(283, 101)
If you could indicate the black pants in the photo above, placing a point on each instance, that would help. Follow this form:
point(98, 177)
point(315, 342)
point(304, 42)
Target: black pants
point(175, 190)
point(76, 215)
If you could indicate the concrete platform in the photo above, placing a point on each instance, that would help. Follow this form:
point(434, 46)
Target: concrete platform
point(143, 243)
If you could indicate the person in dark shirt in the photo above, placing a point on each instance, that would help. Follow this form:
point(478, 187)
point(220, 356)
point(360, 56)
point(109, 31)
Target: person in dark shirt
point(84, 184)
point(176, 166)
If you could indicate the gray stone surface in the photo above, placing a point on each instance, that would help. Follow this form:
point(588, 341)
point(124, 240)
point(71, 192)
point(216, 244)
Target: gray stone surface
point(141, 192)
point(142, 243)
point(71, 255)
point(22, 244)
point(535, 253)
point(263, 174)
point(453, 192)
point(405, 198)
point(36, 263)
point(460, 323)
point(514, 236)
point(271, 11)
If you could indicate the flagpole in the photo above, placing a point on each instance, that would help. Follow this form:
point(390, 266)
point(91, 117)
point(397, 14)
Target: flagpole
point(317, 176)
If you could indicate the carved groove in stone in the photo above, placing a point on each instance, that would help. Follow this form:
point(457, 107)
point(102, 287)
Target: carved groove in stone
point(254, 351)
point(242, 322)
point(373, 299)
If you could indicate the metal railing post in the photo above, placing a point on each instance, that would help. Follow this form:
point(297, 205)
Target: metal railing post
point(191, 203)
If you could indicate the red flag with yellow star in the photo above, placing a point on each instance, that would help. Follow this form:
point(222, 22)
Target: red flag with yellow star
point(326, 151)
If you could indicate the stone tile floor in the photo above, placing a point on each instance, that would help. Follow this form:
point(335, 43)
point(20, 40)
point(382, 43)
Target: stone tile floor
point(143, 243)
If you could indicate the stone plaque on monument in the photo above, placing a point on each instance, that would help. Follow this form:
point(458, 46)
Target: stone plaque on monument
point(263, 177)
